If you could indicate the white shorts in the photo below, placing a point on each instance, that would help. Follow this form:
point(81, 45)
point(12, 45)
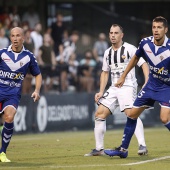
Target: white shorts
point(123, 97)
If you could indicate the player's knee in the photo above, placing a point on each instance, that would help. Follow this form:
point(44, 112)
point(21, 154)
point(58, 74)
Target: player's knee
point(134, 112)
point(100, 114)
point(164, 120)
point(131, 115)
point(9, 118)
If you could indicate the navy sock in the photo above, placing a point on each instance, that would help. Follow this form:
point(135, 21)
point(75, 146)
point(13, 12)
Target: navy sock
point(128, 132)
point(6, 135)
point(167, 125)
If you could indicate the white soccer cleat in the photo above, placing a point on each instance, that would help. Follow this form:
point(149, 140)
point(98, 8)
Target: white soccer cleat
point(95, 152)
point(142, 150)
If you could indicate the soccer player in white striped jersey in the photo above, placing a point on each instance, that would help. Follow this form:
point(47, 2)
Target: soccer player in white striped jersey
point(115, 61)
point(15, 61)
point(156, 50)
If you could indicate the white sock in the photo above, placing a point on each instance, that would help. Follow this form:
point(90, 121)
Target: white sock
point(139, 132)
point(99, 130)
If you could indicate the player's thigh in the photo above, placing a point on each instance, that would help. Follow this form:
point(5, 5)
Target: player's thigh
point(10, 110)
point(9, 113)
point(102, 112)
point(165, 114)
point(9, 107)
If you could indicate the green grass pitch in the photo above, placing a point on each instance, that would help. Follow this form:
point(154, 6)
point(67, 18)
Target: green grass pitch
point(65, 151)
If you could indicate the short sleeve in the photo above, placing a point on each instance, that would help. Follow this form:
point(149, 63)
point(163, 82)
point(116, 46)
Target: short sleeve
point(141, 61)
point(105, 66)
point(34, 68)
point(139, 51)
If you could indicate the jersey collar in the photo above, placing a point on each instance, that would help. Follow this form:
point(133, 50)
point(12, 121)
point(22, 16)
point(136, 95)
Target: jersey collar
point(10, 49)
point(165, 41)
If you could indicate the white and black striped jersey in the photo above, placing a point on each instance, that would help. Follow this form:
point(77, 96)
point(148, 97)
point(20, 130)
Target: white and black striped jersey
point(116, 62)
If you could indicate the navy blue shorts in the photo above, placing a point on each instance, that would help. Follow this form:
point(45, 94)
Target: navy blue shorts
point(147, 97)
point(12, 101)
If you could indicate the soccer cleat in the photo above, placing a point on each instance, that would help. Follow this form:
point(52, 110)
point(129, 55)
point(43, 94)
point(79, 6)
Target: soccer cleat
point(95, 152)
point(122, 153)
point(142, 150)
point(3, 157)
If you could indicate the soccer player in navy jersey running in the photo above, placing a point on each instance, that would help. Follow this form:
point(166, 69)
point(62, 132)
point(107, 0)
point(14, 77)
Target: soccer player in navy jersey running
point(156, 50)
point(115, 61)
point(15, 61)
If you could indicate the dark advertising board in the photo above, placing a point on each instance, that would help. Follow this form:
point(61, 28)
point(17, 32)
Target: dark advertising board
point(63, 112)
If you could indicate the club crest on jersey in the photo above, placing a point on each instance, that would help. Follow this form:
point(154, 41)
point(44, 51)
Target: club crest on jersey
point(161, 57)
point(21, 64)
point(123, 56)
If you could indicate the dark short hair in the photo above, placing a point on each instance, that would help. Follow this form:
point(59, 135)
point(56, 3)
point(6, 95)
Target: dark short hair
point(161, 19)
point(117, 25)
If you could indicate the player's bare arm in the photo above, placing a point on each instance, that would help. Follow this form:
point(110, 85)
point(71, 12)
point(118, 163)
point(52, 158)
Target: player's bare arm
point(38, 81)
point(131, 64)
point(103, 82)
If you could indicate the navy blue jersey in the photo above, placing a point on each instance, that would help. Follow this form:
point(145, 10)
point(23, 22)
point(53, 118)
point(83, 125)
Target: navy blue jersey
point(158, 58)
point(13, 68)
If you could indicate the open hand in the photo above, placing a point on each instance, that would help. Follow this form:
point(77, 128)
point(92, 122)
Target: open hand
point(35, 95)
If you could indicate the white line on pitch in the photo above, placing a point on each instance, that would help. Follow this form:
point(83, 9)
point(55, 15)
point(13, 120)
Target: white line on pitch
point(84, 166)
point(143, 162)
